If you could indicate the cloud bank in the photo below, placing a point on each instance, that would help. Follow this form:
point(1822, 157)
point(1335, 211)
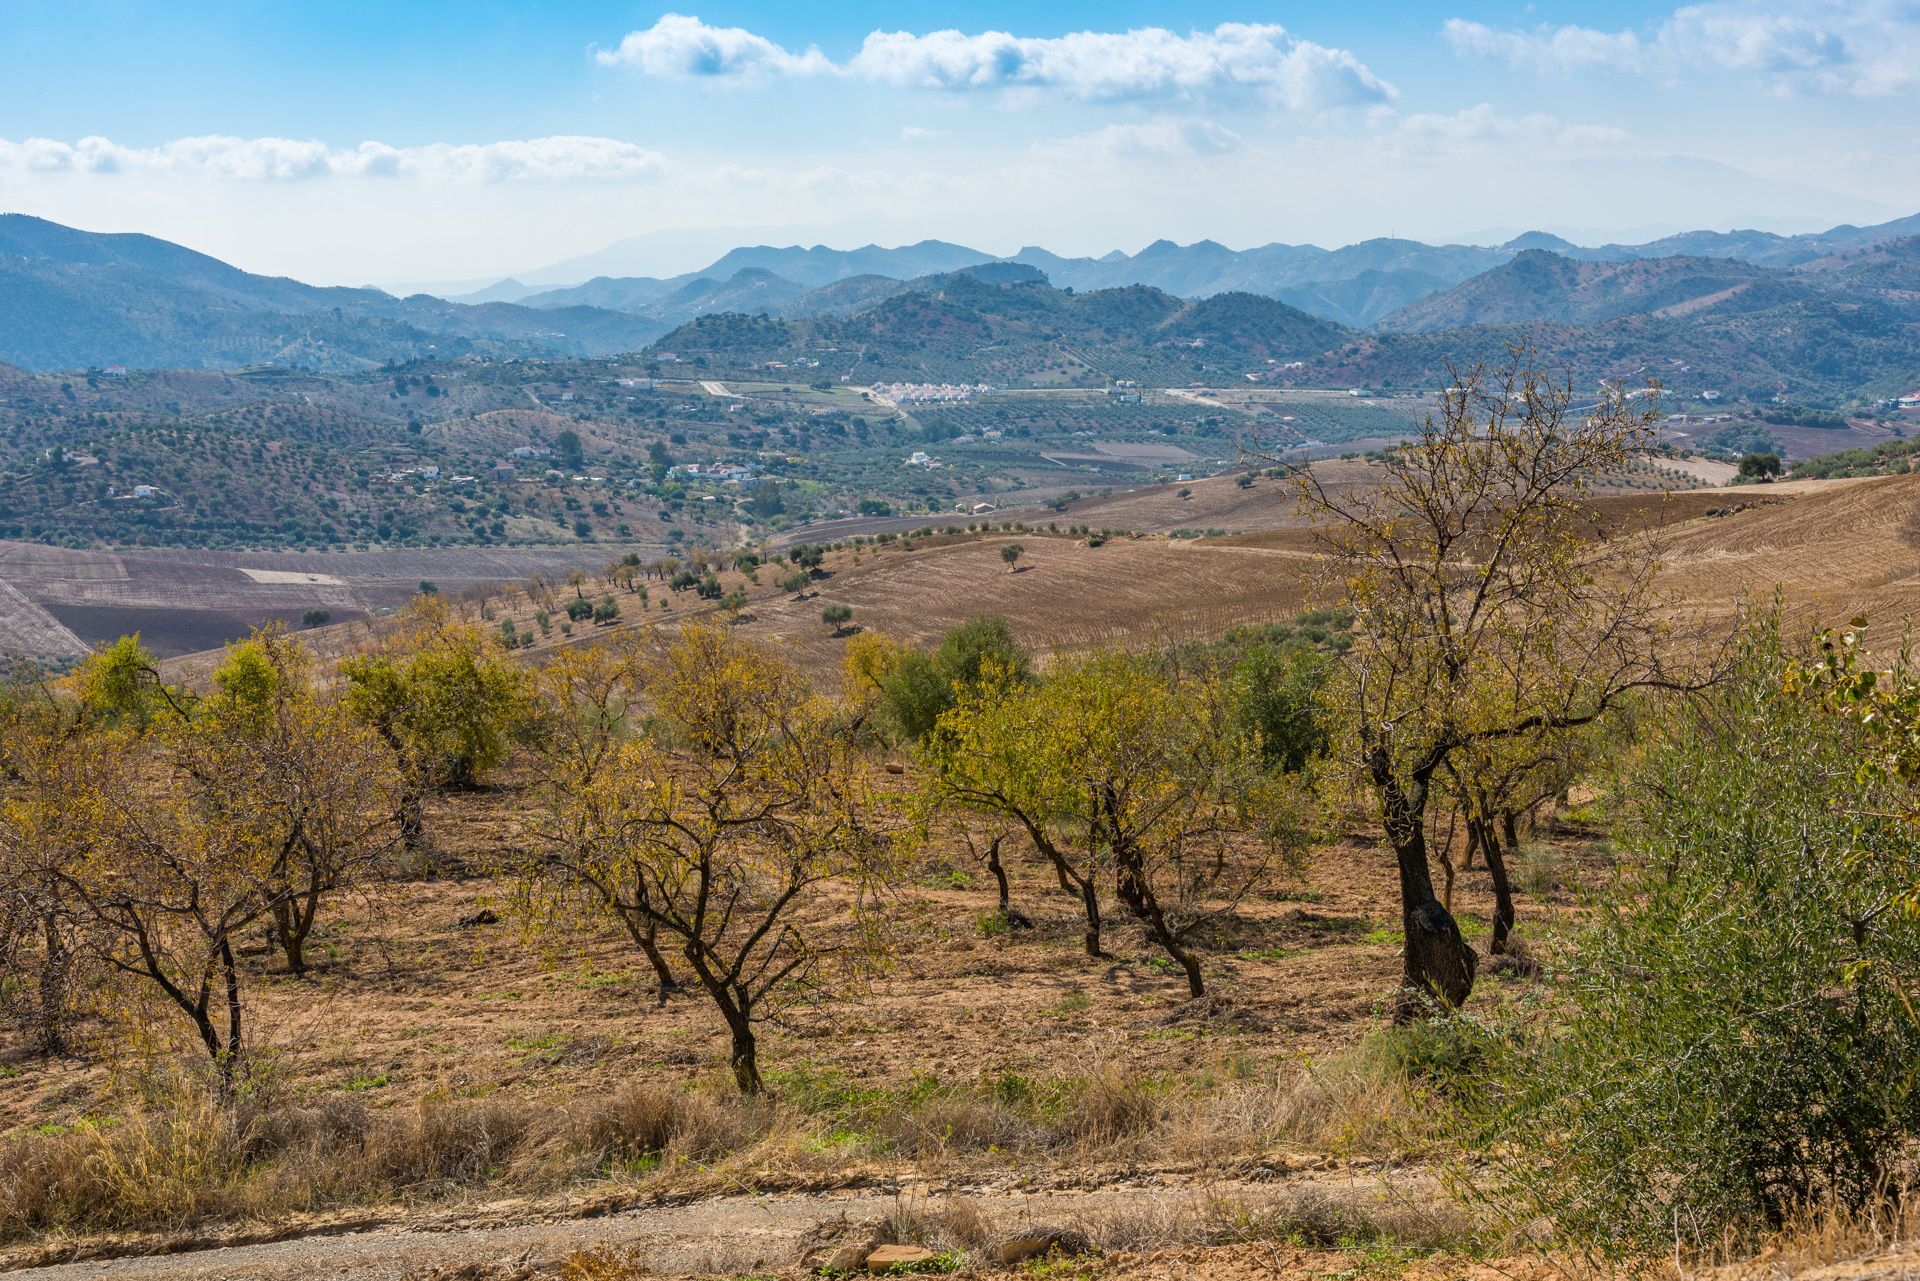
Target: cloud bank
point(1858, 47)
point(292, 160)
point(1260, 59)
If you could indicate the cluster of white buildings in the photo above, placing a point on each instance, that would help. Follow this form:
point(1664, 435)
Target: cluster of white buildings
point(724, 473)
point(930, 393)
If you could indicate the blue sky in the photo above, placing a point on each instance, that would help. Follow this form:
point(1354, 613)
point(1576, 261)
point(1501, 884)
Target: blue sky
point(437, 142)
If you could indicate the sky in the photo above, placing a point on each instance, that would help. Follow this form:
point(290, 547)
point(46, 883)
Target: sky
point(433, 142)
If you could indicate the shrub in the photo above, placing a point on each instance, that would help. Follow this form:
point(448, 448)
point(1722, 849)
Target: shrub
point(1735, 1044)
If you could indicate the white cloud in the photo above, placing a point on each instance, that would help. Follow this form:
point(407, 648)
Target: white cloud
point(917, 133)
point(1546, 49)
point(1162, 138)
point(1150, 62)
point(286, 159)
point(1861, 47)
point(1486, 124)
point(682, 46)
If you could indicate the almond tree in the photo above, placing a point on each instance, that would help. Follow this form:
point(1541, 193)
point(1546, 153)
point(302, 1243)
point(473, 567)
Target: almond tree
point(294, 775)
point(1113, 766)
point(588, 703)
point(163, 890)
point(1490, 606)
point(740, 826)
point(44, 945)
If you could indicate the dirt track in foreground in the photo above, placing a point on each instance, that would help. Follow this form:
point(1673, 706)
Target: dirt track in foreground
point(735, 1234)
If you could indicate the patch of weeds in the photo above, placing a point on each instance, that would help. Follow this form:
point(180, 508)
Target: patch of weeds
point(644, 1163)
point(1384, 937)
point(1538, 869)
point(599, 980)
point(1172, 1034)
point(994, 925)
point(1264, 953)
point(1346, 925)
point(1072, 1003)
point(545, 1041)
point(1162, 964)
point(359, 1084)
point(499, 996)
point(1473, 927)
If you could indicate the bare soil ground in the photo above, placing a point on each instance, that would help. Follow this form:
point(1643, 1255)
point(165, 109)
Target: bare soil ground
point(58, 603)
point(403, 995)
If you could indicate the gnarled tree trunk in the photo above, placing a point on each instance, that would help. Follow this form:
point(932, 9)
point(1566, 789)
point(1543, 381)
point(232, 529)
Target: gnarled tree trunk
point(1438, 966)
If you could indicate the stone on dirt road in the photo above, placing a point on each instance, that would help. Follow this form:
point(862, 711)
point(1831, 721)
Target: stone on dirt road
point(898, 1256)
point(1040, 1242)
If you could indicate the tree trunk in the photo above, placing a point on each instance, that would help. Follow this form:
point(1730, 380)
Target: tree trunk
point(412, 818)
point(1502, 887)
point(1090, 901)
point(667, 985)
point(1138, 895)
point(230, 1059)
point(1438, 964)
point(291, 934)
point(54, 973)
point(745, 1058)
point(999, 874)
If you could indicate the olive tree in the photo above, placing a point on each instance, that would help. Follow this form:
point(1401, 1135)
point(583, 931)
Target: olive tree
point(444, 695)
point(1734, 1043)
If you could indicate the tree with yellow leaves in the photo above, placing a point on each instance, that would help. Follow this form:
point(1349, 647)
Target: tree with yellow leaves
point(444, 695)
point(44, 947)
point(588, 703)
point(1115, 767)
point(164, 890)
point(295, 776)
point(740, 825)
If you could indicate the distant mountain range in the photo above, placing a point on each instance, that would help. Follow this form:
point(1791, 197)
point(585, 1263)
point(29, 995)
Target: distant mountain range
point(1358, 285)
point(1831, 330)
point(71, 299)
point(1833, 315)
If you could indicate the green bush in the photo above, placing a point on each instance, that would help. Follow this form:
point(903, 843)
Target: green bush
point(925, 685)
point(1734, 1041)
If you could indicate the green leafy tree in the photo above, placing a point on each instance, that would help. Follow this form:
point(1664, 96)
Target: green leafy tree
point(1735, 1043)
point(446, 698)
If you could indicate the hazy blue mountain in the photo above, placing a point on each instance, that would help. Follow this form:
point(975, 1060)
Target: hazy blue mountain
point(1537, 286)
point(1355, 285)
point(71, 299)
